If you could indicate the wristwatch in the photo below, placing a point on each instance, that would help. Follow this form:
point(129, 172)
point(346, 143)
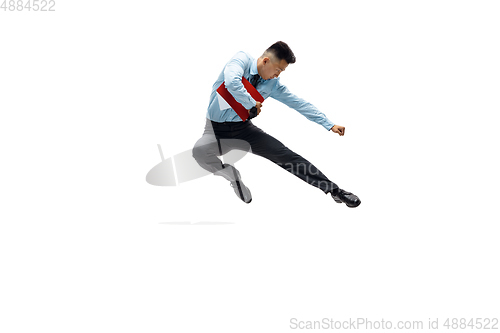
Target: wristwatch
point(252, 113)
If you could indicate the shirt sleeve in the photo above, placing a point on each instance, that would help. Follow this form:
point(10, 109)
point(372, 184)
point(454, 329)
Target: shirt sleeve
point(282, 94)
point(233, 73)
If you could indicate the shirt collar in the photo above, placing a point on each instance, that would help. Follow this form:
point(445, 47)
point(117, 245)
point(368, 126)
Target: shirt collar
point(253, 68)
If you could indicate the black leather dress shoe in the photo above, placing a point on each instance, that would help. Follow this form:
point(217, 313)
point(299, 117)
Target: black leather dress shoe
point(348, 198)
point(230, 173)
point(242, 191)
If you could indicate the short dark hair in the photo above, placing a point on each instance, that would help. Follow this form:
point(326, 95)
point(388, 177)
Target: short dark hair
point(282, 51)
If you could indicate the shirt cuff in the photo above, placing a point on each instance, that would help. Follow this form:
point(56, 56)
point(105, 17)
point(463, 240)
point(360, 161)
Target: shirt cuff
point(328, 124)
point(253, 101)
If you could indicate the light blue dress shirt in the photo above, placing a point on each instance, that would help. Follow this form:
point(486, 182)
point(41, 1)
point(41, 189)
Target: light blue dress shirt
point(243, 65)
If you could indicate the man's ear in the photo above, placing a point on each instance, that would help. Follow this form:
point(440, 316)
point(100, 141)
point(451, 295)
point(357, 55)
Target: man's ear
point(265, 60)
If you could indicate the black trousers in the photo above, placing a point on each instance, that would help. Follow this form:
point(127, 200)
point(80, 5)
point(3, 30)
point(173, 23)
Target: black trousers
point(220, 138)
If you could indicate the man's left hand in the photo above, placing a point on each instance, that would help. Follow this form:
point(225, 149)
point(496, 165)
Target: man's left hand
point(340, 130)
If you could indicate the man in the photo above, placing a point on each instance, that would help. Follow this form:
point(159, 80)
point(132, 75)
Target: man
point(225, 130)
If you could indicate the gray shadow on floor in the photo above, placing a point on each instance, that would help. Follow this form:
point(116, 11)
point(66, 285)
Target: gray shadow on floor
point(196, 223)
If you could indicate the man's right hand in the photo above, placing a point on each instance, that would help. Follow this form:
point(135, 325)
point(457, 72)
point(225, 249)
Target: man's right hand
point(258, 106)
point(254, 112)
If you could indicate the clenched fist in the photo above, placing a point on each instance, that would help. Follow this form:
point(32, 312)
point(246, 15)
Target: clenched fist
point(340, 130)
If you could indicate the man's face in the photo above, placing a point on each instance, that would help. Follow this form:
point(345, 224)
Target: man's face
point(271, 70)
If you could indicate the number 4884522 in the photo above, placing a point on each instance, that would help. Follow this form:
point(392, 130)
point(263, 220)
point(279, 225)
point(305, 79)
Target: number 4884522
point(28, 5)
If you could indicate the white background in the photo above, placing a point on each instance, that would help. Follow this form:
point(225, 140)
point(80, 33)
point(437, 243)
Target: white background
point(88, 91)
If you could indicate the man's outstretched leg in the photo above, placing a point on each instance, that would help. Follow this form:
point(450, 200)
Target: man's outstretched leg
point(265, 145)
